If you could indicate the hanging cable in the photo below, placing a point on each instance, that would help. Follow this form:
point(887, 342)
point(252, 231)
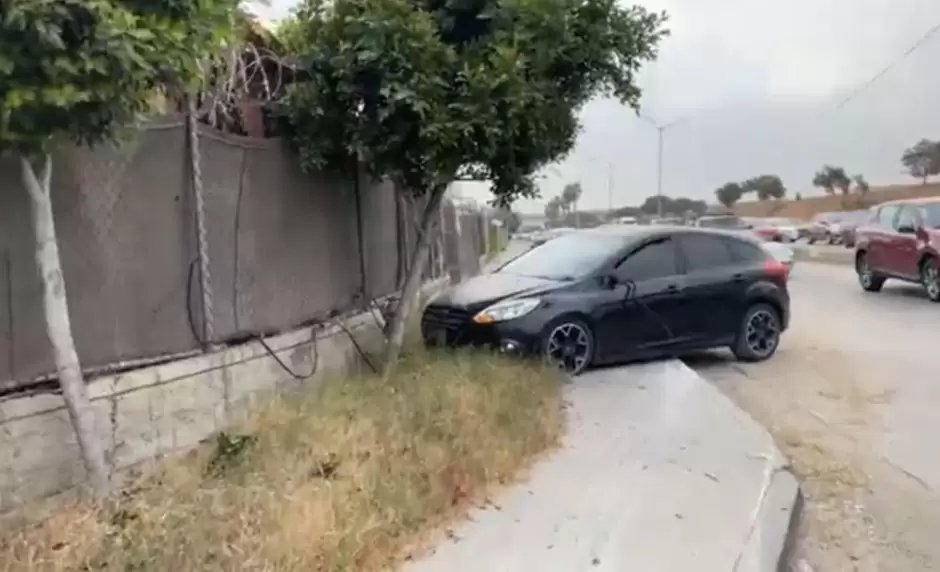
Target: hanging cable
point(914, 47)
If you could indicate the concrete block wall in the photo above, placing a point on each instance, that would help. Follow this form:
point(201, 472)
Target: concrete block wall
point(167, 408)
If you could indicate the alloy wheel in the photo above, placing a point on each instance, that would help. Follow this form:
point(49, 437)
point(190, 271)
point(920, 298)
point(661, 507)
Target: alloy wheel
point(569, 348)
point(931, 278)
point(762, 333)
point(865, 276)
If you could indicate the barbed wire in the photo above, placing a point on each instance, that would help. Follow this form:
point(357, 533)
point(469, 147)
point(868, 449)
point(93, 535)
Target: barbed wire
point(241, 73)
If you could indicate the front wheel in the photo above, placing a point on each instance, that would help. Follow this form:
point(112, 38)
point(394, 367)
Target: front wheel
point(930, 278)
point(869, 281)
point(569, 346)
point(759, 334)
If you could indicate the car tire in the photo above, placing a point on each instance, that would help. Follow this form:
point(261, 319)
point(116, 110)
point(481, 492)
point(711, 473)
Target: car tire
point(867, 279)
point(569, 344)
point(758, 335)
point(930, 278)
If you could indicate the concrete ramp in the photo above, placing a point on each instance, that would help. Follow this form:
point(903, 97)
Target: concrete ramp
point(660, 472)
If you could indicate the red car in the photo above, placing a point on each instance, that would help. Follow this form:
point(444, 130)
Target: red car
point(900, 240)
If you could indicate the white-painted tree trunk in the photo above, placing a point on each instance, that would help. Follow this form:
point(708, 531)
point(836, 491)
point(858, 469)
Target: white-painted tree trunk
point(58, 325)
point(412, 285)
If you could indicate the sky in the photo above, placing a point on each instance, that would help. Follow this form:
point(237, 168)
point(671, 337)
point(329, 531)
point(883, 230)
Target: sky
point(754, 87)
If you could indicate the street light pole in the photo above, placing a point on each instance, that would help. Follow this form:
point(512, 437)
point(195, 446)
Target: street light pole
point(660, 133)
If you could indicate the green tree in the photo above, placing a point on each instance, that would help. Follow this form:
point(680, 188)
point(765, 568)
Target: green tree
point(830, 178)
point(766, 187)
point(861, 185)
point(729, 194)
point(553, 210)
point(77, 71)
point(922, 161)
point(426, 92)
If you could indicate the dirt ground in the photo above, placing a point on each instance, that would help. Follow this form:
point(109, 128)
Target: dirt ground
point(832, 404)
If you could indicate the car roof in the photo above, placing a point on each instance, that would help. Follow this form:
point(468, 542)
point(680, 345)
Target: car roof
point(641, 232)
point(917, 201)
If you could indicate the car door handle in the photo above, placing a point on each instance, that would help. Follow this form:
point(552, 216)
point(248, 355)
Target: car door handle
point(673, 288)
point(739, 277)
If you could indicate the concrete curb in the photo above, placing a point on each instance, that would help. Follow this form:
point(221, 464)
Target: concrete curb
point(766, 546)
point(659, 471)
point(787, 554)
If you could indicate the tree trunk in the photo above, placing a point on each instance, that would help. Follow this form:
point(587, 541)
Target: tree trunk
point(412, 285)
point(59, 328)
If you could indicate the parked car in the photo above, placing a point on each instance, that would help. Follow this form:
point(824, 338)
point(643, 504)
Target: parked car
point(901, 240)
point(848, 225)
point(824, 227)
point(618, 293)
point(725, 221)
point(777, 229)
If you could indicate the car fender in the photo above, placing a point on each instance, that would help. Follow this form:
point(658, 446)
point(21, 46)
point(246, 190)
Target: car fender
point(928, 253)
point(765, 293)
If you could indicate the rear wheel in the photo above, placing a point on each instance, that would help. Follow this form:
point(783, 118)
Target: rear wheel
point(930, 278)
point(569, 346)
point(869, 281)
point(759, 334)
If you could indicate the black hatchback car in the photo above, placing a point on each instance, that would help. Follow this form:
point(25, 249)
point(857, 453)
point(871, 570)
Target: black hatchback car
point(618, 293)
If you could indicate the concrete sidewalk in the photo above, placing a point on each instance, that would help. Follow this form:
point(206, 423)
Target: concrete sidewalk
point(660, 473)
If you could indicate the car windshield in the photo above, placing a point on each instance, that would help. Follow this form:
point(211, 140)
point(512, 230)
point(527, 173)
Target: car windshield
point(569, 257)
point(931, 214)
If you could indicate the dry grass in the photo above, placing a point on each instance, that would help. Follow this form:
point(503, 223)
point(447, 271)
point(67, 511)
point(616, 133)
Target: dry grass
point(352, 475)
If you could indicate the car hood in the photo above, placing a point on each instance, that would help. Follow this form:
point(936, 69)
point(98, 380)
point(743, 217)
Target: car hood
point(486, 289)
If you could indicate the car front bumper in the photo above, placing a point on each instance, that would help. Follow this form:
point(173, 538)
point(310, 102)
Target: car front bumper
point(454, 327)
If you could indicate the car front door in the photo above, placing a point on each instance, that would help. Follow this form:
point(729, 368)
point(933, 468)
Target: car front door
point(880, 236)
point(715, 286)
point(650, 315)
point(902, 251)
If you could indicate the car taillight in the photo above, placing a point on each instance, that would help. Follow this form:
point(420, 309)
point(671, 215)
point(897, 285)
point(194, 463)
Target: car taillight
point(775, 268)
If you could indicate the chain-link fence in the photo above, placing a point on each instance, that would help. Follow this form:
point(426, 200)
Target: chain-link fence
point(284, 248)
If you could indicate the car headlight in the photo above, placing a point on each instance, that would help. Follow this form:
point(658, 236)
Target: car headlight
point(507, 310)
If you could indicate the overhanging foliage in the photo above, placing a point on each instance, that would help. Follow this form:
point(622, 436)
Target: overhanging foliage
point(430, 91)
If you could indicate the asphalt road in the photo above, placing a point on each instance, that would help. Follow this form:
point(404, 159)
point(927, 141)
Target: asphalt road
point(853, 396)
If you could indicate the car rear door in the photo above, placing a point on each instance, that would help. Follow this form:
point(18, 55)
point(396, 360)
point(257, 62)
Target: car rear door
point(651, 317)
point(715, 285)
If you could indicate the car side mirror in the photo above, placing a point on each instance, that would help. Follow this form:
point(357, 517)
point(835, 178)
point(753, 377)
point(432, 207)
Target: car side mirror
point(906, 229)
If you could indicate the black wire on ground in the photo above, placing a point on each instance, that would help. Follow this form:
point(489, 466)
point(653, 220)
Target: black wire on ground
point(286, 368)
point(365, 357)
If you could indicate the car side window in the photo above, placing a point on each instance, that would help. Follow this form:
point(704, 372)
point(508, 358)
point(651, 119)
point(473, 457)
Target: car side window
point(906, 218)
point(745, 252)
point(886, 216)
point(656, 259)
point(704, 252)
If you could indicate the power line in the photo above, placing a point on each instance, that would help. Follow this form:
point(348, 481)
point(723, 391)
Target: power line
point(916, 46)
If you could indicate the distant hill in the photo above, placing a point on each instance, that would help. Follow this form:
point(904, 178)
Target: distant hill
point(806, 208)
